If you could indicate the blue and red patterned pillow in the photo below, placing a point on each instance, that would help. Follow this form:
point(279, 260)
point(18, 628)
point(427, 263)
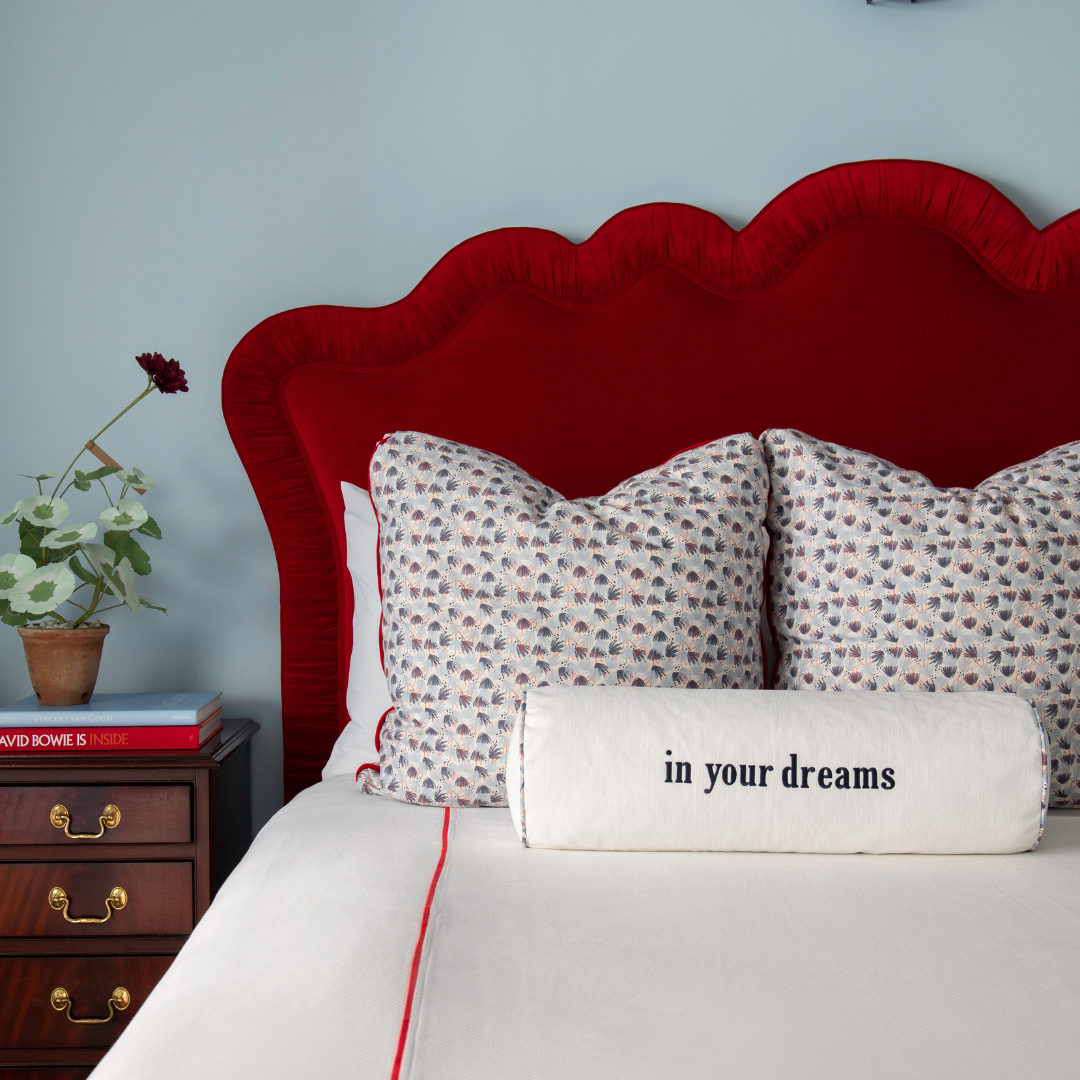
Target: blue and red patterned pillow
point(880, 581)
point(493, 582)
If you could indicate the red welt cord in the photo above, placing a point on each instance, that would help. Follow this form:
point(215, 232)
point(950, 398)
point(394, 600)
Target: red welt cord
point(419, 949)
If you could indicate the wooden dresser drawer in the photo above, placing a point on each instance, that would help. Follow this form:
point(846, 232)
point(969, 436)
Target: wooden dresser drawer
point(149, 813)
point(158, 898)
point(43, 1074)
point(28, 1019)
point(177, 823)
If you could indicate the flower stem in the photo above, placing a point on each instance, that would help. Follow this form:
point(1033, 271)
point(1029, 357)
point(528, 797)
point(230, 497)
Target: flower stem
point(101, 611)
point(93, 602)
point(63, 477)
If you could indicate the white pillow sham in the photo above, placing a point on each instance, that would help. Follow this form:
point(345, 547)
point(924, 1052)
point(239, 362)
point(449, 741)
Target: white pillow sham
point(367, 697)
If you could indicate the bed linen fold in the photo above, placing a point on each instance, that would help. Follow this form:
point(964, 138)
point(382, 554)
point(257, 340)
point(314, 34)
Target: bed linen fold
point(301, 965)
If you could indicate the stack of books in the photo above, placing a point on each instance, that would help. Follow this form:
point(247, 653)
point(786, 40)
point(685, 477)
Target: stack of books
point(108, 723)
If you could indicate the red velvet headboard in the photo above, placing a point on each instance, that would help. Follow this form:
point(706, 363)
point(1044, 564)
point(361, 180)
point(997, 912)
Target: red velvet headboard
point(904, 308)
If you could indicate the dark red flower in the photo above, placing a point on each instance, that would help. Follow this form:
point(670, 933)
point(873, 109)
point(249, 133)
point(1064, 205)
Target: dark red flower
point(168, 375)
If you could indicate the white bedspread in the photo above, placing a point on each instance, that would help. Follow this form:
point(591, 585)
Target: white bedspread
point(565, 964)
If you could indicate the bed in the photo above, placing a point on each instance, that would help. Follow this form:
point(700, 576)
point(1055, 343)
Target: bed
point(904, 308)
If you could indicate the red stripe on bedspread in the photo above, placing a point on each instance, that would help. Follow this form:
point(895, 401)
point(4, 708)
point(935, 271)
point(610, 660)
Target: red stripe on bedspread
point(420, 949)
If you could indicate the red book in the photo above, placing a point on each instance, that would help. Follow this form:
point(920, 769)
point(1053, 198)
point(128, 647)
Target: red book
point(88, 740)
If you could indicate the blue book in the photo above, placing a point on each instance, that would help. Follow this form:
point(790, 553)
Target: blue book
point(126, 710)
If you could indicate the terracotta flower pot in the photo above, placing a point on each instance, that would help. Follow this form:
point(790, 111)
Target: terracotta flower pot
point(63, 663)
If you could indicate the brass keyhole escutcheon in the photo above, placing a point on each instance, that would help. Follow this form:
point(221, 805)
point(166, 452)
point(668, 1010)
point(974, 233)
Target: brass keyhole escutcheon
point(61, 1001)
point(117, 899)
point(61, 819)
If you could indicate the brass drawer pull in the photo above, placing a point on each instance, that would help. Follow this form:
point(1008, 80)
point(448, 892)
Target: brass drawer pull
point(59, 901)
point(61, 819)
point(61, 1002)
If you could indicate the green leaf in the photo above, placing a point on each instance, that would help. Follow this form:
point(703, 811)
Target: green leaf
point(126, 573)
point(40, 476)
point(115, 585)
point(98, 474)
point(81, 485)
point(150, 528)
point(50, 554)
point(12, 618)
point(80, 571)
point(30, 541)
point(121, 583)
point(147, 604)
point(100, 555)
point(127, 547)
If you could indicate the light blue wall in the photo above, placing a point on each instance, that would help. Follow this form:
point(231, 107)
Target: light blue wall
point(173, 172)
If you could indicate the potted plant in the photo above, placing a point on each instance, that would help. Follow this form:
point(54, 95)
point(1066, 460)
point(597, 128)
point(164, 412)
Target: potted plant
point(60, 563)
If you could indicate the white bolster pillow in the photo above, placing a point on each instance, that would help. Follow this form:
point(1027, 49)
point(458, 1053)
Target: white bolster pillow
point(657, 769)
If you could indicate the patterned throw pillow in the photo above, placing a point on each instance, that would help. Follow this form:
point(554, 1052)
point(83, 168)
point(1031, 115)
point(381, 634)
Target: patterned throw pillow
point(880, 581)
point(493, 582)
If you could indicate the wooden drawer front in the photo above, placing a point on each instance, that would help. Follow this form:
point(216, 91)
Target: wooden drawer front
point(159, 898)
point(44, 1074)
point(27, 1018)
point(149, 813)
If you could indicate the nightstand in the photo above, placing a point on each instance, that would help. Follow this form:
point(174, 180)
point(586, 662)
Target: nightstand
point(107, 861)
